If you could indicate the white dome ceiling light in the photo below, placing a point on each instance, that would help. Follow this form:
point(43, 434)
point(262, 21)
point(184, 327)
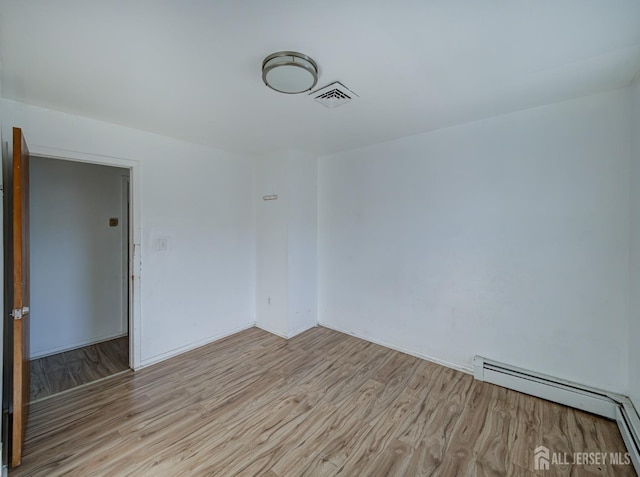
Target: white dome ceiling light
point(289, 72)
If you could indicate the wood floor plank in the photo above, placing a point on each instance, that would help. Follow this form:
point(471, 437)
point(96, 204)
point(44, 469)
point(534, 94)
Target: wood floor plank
point(86, 424)
point(333, 440)
point(555, 433)
point(384, 429)
point(427, 459)
point(608, 439)
point(584, 436)
point(321, 404)
point(494, 443)
point(460, 454)
point(63, 371)
point(148, 448)
point(356, 376)
point(436, 413)
point(39, 381)
point(427, 378)
point(394, 459)
point(62, 458)
point(526, 432)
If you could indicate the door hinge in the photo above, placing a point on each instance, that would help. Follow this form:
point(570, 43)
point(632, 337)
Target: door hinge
point(18, 313)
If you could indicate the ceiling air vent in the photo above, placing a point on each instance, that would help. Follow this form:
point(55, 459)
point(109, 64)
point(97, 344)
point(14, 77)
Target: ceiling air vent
point(334, 95)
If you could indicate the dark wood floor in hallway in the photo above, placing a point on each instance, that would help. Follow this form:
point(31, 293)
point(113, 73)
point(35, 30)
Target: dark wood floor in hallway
point(321, 404)
point(63, 371)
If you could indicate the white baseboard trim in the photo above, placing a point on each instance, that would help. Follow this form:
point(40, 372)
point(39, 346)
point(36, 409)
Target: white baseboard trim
point(432, 359)
point(76, 345)
point(301, 330)
point(273, 331)
point(603, 403)
point(629, 425)
point(183, 349)
point(286, 336)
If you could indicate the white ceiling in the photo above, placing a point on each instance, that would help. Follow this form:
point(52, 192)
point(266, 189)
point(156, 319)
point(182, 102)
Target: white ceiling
point(190, 69)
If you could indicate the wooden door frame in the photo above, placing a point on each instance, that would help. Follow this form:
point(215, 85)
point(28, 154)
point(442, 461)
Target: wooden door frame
point(134, 232)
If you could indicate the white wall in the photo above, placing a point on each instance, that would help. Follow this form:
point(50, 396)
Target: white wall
point(286, 242)
point(634, 330)
point(507, 238)
point(303, 242)
point(272, 244)
point(198, 198)
point(76, 257)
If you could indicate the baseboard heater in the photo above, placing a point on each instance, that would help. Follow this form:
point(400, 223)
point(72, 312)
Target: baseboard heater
point(610, 405)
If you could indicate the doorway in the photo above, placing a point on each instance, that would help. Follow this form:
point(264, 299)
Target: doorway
point(80, 255)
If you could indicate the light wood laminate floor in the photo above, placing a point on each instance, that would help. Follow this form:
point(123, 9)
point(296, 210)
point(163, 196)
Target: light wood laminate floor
point(63, 371)
point(322, 403)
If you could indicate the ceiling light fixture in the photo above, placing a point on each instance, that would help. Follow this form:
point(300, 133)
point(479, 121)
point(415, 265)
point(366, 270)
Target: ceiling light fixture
point(289, 72)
